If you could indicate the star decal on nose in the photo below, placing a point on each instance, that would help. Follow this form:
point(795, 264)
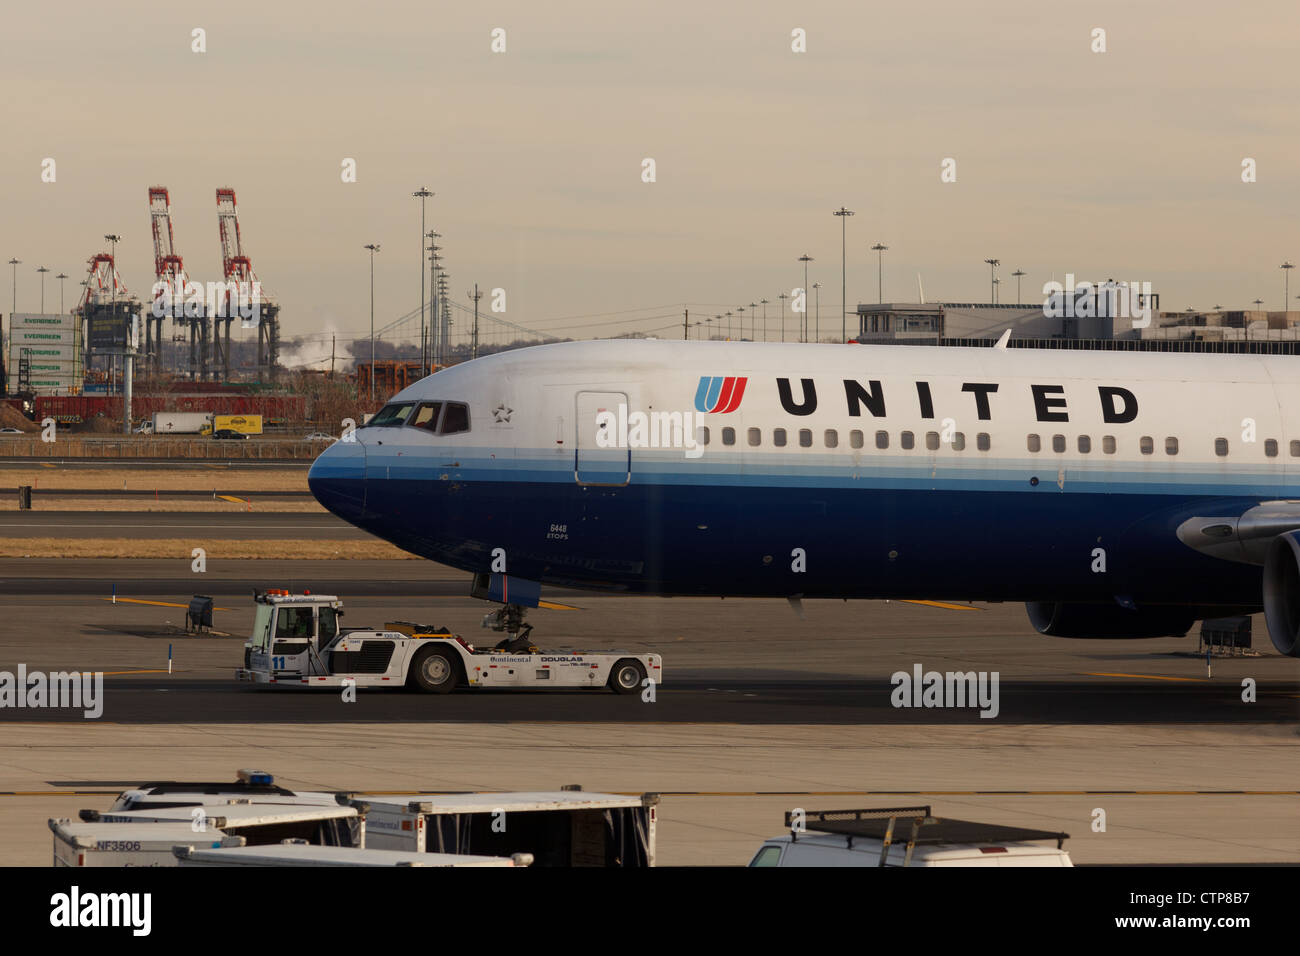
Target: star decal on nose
point(501, 413)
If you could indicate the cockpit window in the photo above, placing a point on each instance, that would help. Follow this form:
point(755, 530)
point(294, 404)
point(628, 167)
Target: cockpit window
point(455, 418)
point(391, 415)
point(426, 416)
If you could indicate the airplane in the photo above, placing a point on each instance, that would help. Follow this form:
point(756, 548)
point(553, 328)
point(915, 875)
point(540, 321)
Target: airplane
point(1118, 494)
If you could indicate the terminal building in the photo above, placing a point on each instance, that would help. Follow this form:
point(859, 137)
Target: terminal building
point(1097, 324)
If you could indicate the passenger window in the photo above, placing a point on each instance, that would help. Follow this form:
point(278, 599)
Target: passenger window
point(702, 435)
point(426, 417)
point(755, 437)
point(959, 441)
point(855, 439)
point(1270, 447)
point(728, 436)
point(932, 441)
point(982, 441)
point(1108, 444)
point(1058, 443)
point(1220, 446)
point(1085, 444)
point(832, 438)
point(778, 437)
point(1295, 449)
point(1171, 446)
point(1035, 445)
point(882, 439)
point(455, 418)
point(1146, 445)
point(907, 440)
point(805, 438)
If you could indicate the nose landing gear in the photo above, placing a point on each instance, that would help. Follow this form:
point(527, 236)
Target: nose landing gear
point(509, 619)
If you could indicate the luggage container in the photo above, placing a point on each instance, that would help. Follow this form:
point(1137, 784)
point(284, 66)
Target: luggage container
point(128, 844)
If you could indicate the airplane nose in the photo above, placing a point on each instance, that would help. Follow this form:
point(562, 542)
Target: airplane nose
point(338, 479)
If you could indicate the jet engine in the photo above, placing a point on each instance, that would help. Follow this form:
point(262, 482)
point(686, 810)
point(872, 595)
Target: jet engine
point(1282, 592)
point(1112, 621)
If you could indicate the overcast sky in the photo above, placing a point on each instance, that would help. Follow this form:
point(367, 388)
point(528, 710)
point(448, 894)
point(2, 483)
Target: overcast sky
point(1124, 164)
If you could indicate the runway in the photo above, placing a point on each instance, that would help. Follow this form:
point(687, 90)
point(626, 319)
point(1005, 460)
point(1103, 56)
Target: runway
point(40, 496)
point(156, 699)
point(226, 526)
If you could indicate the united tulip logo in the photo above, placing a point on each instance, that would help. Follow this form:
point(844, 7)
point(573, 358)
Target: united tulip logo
point(719, 394)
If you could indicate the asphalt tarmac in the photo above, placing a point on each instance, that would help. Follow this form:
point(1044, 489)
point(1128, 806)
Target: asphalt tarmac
point(759, 711)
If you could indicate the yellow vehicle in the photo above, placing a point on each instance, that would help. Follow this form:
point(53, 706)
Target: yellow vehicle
point(244, 424)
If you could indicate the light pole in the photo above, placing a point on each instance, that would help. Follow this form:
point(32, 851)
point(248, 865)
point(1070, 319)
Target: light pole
point(1286, 268)
point(444, 277)
point(728, 324)
point(817, 314)
point(753, 321)
point(42, 270)
point(879, 249)
point(425, 351)
point(475, 296)
point(805, 259)
point(373, 247)
point(15, 263)
point(993, 272)
point(61, 276)
point(764, 302)
point(708, 328)
point(1018, 273)
point(422, 194)
point(783, 297)
point(740, 312)
point(844, 219)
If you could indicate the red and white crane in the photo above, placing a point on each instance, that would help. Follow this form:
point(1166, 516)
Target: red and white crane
point(103, 282)
point(168, 266)
point(236, 266)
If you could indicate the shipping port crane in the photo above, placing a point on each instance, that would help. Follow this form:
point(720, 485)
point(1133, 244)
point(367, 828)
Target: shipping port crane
point(171, 299)
point(238, 269)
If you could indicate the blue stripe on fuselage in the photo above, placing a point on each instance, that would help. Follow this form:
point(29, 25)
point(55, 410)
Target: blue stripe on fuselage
point(891, 528)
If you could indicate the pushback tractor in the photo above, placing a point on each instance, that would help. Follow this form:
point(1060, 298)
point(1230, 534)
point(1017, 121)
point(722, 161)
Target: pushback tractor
point(298, 641)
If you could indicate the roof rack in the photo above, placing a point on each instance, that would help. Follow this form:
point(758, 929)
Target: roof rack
point(880, 824)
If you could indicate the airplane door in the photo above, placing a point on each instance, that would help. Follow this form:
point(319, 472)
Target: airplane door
point(594, 462)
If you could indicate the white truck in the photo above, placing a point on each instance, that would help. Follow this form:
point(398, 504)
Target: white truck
point(297, 641)
point(182, 423)
point(566, 827)
point(906, 836)
point(249, 786)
